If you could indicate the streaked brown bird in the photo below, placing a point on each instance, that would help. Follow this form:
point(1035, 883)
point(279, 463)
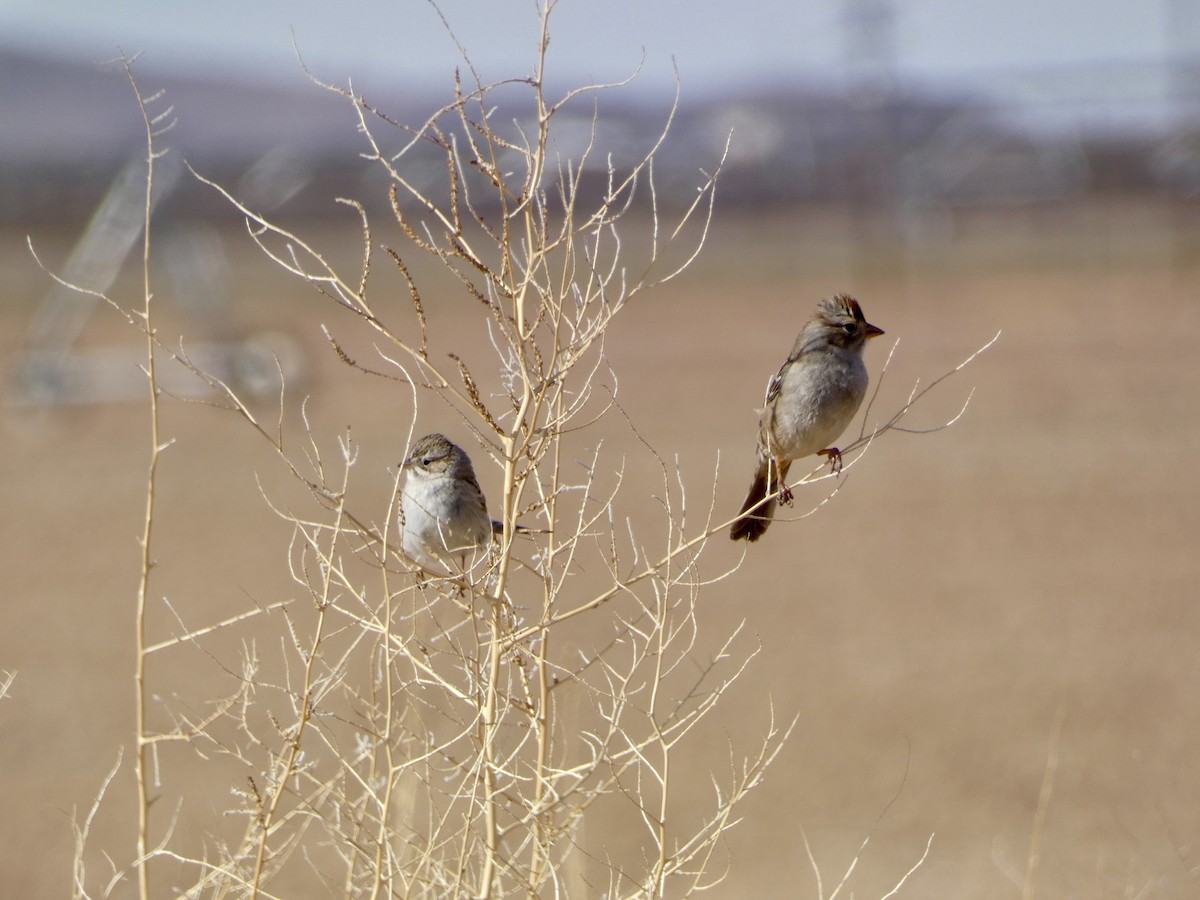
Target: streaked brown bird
point(809, 403)
point(443, 512)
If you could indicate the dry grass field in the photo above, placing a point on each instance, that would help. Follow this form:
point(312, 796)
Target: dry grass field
point(985, 618)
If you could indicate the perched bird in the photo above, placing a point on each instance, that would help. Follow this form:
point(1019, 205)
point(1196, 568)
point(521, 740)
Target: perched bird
point(443, 512)
point(809, 404)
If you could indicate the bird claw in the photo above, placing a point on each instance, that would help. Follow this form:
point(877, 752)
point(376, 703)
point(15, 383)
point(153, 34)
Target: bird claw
point(835, 459)
point(785, 496)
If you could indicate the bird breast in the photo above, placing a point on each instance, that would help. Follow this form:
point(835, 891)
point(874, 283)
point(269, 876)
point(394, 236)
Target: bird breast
point(442, 514)
point(818, 399)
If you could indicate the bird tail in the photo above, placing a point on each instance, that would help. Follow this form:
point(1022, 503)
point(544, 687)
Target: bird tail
point(498, 528)
point(757, 512)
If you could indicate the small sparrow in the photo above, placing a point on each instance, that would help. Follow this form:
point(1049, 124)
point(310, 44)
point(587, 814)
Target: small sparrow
point(443, 514)
point(809, 403)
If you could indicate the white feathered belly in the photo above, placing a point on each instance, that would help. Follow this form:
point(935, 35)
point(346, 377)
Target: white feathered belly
point(828, 400)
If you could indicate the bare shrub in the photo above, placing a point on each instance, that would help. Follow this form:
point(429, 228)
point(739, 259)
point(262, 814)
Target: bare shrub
point(429, 734)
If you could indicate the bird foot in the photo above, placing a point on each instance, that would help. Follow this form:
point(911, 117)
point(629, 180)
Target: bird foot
point(785, 496)
point(835, 459)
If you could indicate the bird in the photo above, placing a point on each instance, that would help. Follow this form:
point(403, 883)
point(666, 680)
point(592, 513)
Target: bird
point(809, 403)
point(443, 513)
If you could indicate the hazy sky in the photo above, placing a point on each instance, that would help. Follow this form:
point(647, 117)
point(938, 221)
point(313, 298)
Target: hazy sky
point(715, 43)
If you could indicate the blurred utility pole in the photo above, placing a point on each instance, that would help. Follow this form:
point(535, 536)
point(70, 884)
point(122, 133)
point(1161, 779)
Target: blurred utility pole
point(1182, 24)
point(869, 34)
point(869, 27)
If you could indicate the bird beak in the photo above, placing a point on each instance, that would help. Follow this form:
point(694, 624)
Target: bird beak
point(872, 331)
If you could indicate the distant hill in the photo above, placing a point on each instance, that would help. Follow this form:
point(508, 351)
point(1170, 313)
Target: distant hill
point(68, 127)
point(61, 111)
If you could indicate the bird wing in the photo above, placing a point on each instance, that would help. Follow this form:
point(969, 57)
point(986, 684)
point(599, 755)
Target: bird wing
point(775, 384)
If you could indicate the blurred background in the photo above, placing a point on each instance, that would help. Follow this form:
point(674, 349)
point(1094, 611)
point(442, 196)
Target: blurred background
point(921, 106)
point(962, 168)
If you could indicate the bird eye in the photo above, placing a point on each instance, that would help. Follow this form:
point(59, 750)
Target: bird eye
point(426, 460)
point(850, 328)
